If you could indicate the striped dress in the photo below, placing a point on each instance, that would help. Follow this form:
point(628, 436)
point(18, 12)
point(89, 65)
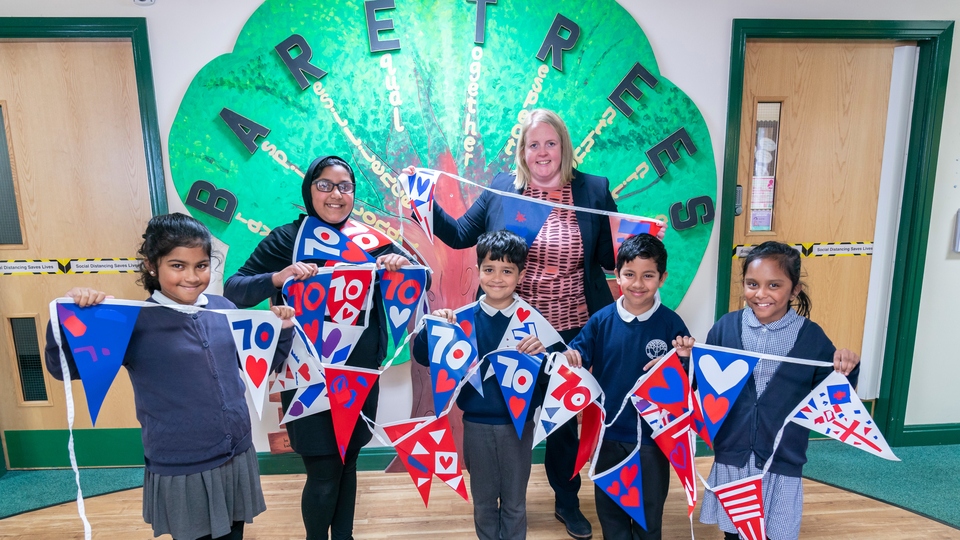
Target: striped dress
point(553, 282)
point(782, 495)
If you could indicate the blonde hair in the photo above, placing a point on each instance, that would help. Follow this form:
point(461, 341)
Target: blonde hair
point(544, 116)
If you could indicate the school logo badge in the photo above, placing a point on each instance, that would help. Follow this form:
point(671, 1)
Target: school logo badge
point(656, 348)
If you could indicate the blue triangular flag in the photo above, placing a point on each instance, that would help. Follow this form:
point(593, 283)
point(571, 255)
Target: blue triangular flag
point(402, 291)
point(720, 374)
point(517, 374)
point(451, 356)
point(525, 216)
point(309, 301)
point(624, 484)
point(98, 337)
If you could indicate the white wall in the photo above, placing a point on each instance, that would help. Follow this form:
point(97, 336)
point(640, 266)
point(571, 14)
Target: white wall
point(692, 44)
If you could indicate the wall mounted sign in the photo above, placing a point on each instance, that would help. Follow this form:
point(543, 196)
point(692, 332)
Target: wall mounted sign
point(443, 86)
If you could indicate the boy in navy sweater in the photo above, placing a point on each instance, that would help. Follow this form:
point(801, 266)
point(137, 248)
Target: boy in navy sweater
point(498, 461)
point(618, 344)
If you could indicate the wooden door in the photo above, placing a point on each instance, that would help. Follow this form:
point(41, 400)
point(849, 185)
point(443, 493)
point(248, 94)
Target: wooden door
point(76, 152)
point(814, 178)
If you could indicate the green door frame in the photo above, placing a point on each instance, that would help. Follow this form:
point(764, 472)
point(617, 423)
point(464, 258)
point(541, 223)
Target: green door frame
point(134, 29)
point(934, 39)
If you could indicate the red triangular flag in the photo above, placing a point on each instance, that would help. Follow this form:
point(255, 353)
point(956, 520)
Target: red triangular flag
point(676, 440)
point(667, 386)
point(431, 446)
point(743, 502)
point(419, 472)
point(589, 435)
point(347, 389)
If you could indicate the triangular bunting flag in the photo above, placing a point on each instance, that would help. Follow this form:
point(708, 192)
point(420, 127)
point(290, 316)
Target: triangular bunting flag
point(338, 342)
point(402, 292)
point(525, 216)
point(348, 388)
point(451, 355)
point(350, 293)
point(317, 240)
point(466, 321)
point(420, 472)
point(590, 427)
point(699, 424)
point(677, 443)
point(528, 321)
point(302, 367)
point(430, 446)
point(309, 301)
point(420, 187)
point(255, 334)
point(834, 409)
point(720, 376)
point(368, 238)
point(569, 391)
point(98, 337)
point(624, 227)
point(743, 502)
point(624, 485)
point(308, 400)
point(666, 385)
point(517, 374)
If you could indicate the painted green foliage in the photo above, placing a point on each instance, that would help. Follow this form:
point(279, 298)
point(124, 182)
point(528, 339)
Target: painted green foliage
point(424, 122)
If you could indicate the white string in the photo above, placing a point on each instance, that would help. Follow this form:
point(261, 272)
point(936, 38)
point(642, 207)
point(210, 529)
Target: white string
point(68, 392)
point(764, 356)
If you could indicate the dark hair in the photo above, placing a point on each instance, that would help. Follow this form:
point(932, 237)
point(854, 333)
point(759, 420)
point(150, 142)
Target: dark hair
point(645, 246)
point(502, 246)
point(788, 259)
point(164, 234)
point(332, 161)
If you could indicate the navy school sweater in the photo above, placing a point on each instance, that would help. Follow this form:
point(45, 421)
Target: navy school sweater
point(754, 421)
point(187, 386)
point(615, 351)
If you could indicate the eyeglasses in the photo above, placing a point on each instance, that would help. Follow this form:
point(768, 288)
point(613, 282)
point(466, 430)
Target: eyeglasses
point(327, 186)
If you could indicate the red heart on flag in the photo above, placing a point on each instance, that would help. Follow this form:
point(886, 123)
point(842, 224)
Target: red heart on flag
point(628, 475)
point(467, 328)
point(632, 498)
point(715, 407)
point(445, 461)
point(304, 372)
point(516, 406)
point(312, 329)
point(522, 314)
point(354, 253)
point(256, 369)
point(614, 488)
point(444, 382)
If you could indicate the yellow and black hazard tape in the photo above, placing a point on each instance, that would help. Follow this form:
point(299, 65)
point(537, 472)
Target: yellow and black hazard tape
point(96, 265)
point(817, 249)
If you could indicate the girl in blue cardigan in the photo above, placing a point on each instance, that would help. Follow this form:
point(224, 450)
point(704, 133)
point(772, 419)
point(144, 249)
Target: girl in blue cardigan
point(201, 478)
point(770, 325)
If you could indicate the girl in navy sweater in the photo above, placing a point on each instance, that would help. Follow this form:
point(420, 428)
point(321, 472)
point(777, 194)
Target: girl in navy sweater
point(770, 325)
point(201, 478)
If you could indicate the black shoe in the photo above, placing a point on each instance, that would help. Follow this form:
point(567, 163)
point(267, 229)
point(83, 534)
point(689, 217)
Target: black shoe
point(577, 525)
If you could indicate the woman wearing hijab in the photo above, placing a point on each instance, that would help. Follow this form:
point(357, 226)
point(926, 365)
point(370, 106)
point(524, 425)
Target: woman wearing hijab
point(329, 495)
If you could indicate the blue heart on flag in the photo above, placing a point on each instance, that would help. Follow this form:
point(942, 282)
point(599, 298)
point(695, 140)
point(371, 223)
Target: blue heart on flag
point(671, 389)
point(517, 374)
point(97, 336)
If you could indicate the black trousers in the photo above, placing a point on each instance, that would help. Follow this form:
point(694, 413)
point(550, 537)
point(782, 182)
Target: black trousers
point(561, 455)
point(329, 496)
point(655, 472)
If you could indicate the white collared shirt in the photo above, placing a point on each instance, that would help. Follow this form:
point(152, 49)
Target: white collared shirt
point(163, 300)
point(629, 317)
point(507, 311)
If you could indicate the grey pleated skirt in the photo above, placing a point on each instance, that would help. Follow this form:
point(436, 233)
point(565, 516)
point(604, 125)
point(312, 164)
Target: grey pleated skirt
point(195, 505)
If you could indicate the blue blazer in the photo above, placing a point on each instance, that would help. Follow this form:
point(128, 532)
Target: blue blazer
point(589, 191)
